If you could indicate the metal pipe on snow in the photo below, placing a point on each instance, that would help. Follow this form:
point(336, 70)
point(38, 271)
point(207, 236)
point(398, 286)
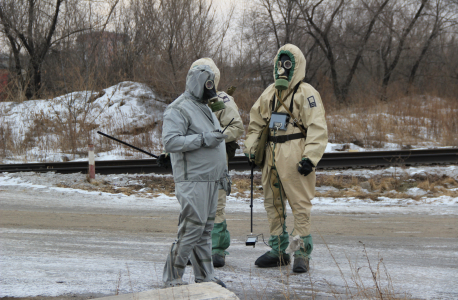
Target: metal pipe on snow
point(91, 159)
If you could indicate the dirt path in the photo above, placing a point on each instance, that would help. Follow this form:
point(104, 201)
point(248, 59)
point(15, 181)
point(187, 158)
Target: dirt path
point(80, 252)
point(165, 224)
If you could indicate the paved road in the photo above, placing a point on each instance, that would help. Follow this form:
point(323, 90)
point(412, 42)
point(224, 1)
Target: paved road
point(86, 245)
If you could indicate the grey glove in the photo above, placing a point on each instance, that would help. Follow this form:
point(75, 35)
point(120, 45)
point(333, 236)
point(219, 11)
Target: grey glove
point(212, 139)
point(228, 184)
point(225, 184)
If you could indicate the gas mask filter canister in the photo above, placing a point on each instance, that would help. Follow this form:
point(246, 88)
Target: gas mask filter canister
point(216, 105)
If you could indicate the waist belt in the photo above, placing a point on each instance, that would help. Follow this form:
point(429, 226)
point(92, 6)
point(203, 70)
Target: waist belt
point(285, 138)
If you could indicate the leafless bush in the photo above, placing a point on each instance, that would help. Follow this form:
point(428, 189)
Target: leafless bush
point(5, 140)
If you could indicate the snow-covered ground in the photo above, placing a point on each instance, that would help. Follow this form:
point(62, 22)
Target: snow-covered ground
point(49, 123)
point(51, 181)
point(52, 262)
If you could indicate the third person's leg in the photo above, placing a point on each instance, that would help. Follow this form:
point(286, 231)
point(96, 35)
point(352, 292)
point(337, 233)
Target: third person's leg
point(274, 203)
point(221, 238)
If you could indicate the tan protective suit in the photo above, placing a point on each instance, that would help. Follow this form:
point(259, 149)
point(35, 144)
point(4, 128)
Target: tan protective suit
point(220, 235)
point(298, 189)
point(234, 131)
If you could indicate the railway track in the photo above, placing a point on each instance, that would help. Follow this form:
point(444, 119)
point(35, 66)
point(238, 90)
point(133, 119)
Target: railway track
point(343, 160)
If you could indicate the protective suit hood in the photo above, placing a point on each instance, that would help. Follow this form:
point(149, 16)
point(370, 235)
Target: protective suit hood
point(297, 72)
point(197, 76)
point(209, 62)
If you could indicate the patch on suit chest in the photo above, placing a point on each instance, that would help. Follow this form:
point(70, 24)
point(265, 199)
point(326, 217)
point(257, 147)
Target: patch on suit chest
point(225, 98)
point(312, 102)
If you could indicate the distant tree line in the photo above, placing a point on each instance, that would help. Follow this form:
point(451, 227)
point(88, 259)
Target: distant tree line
point(356, 50)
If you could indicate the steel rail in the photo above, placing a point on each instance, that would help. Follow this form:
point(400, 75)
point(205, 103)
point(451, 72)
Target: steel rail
point(338, 160)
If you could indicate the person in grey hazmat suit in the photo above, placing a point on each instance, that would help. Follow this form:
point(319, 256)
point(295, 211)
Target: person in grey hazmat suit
point(191, 134)
point(227, 113)
point(292, 114)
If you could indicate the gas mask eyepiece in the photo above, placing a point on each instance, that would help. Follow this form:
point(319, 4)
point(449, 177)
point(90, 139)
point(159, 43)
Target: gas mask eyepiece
point(287, 64)
point(209, 84)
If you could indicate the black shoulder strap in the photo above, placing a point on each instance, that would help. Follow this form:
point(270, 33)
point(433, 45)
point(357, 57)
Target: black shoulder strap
point(291, 105)
point(273, 102)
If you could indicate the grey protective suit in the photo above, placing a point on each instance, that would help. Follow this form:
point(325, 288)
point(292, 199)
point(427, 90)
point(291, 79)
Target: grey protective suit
point(199, 172)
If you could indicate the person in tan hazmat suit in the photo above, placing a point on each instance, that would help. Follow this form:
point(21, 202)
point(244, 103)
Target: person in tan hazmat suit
point(294, 146)
point(227, 114)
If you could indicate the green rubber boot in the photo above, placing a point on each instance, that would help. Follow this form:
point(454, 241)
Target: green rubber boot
point(221, 240)
point(302, 256)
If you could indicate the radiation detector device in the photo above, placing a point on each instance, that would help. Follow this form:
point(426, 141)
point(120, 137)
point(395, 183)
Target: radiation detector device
point(278, 121)
point(251, 240)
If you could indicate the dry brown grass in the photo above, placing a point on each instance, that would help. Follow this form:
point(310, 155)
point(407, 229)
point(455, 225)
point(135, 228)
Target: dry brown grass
point(350, 186)
point(345, 187)
point(424, 185)
point(390, 187)
point(406, 121)
point(164, 185)
point(241, 186)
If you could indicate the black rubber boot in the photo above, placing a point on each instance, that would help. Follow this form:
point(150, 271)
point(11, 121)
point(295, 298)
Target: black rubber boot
point(218, 260)
point(301, 264)
point(268, 260)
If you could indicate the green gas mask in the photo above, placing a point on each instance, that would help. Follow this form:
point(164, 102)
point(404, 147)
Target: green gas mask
point(283, 69)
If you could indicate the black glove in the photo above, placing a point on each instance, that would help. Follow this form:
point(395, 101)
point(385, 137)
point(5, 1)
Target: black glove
point(251, 162)
point(163, 161)
point(305, 167)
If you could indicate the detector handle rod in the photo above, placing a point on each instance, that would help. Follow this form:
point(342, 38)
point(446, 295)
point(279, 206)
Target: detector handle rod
point(227, 125)
point(251, 204)
point(119, 141)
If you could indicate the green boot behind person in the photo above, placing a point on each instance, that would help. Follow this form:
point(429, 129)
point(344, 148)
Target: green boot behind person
point(221, 240)
point(277, 255)
point(302, 256)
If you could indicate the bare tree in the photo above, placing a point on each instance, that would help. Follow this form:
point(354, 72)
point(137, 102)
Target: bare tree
point(265, 30)
point(439, 19)
point(392, 24)
point(16, 51)
point(167, 36)
point(257, 47)
point(36, 41)
point(33, 24)
point(61, 45)
point(321, 23)
point(283, 19)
